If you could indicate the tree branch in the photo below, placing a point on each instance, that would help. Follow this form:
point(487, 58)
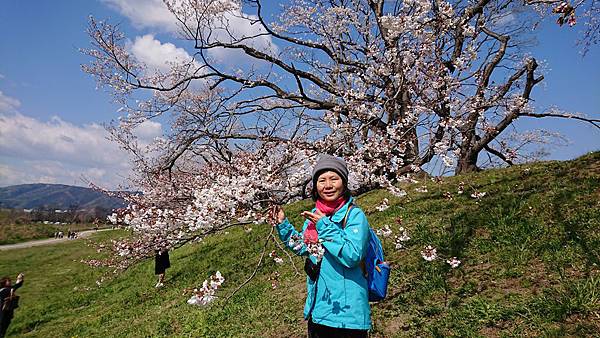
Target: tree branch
point(594, 122)
point(262, 255)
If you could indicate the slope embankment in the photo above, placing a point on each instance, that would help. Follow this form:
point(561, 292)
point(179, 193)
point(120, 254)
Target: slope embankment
point(528, 238)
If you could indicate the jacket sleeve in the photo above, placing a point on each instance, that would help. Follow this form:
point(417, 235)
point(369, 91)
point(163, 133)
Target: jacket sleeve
point(347, 245)
point(17, 285)
point(4, 292)
point(286, 230)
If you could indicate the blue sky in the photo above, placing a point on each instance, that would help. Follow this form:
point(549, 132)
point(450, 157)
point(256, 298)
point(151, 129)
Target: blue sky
point(51, 112)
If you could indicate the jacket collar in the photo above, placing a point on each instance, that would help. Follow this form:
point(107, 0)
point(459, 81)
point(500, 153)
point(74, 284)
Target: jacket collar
point(339, 215)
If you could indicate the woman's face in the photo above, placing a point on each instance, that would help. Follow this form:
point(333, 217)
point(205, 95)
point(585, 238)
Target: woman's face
point(330, 186)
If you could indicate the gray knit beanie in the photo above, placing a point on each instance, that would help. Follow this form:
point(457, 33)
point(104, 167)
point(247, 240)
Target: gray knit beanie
point(327, 162)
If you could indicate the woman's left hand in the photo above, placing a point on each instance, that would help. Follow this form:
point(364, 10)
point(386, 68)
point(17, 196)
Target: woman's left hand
point(313, 216)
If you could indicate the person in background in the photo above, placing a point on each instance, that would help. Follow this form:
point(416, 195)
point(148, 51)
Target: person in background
point(161, 264)
point(8, 301)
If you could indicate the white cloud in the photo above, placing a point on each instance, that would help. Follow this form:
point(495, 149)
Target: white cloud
point(145, 13)
point(156, 55)
point(153, 14)
point(60, 152)
point(56, 139)
point(8, 104)
point(148, 130)
point(23, 172)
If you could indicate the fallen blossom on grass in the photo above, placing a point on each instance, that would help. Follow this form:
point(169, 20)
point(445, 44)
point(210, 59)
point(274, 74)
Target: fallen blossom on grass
point(461, 187)
point(276, 258)
point(454, 262)
point(274, 278)
point(385, 232)
point(422, 189)
point(404, 235)
point(429, 253)
point(399, 240)
point(383, 206)
point(397, 191)
point(478, 195)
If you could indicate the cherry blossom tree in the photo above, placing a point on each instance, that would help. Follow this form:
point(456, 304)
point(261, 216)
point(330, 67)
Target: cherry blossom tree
point(388, 85)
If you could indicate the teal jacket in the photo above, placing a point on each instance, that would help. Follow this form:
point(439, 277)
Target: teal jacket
point(340, 297)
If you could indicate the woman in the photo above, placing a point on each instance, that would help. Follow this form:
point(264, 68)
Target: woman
point(337, 301)
point(161, 264)
point(8, 301)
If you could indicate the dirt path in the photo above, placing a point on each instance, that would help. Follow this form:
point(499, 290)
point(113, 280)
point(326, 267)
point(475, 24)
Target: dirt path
point(82, 234)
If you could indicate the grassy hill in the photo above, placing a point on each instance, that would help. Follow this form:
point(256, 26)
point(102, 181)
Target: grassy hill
point(530, 252)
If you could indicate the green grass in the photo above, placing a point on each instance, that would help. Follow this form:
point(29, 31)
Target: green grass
point(530, 252)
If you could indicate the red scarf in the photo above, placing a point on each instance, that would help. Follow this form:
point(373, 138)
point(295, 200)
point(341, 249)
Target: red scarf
point(328, 208)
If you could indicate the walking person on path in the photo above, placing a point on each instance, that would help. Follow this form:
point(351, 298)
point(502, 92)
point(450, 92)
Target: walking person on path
point(337, 299)
point(8, 301)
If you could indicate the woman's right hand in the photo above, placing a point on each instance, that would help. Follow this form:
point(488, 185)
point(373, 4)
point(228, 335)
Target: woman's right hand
point(277, 215)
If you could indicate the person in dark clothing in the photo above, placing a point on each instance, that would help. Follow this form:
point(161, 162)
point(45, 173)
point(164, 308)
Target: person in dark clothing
point(161, 264)
point(8, 301)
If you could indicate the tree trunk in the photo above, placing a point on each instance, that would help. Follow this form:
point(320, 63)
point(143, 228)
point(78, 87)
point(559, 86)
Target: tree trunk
point(467, 163)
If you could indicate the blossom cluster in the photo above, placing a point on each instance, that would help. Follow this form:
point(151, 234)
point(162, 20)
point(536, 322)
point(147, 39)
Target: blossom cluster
point(401, 239)
point(421, 189)
point(274, 279)
point(567, 14)
point(386, 231)
point(429, 253)
point(276, 259)
point(478, 194)
point(383, 206)
point(453, 262)
point(207, 293)
point(316, 249)
point(296, 242)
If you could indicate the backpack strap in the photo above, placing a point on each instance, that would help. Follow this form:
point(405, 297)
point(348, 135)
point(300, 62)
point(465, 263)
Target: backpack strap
point(363, 264)
point(346, 216)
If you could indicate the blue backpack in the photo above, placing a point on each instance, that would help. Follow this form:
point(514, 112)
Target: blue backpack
point(375, 268)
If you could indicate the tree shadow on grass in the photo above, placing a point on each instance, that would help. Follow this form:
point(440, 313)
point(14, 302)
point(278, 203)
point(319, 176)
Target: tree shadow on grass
point(582, 230)
point(497, 212)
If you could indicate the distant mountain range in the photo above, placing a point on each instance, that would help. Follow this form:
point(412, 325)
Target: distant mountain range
point(55, 196)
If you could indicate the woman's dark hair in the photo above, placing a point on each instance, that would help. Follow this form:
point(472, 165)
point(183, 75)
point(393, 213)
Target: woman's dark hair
point(315, 195)
point(4, 281)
